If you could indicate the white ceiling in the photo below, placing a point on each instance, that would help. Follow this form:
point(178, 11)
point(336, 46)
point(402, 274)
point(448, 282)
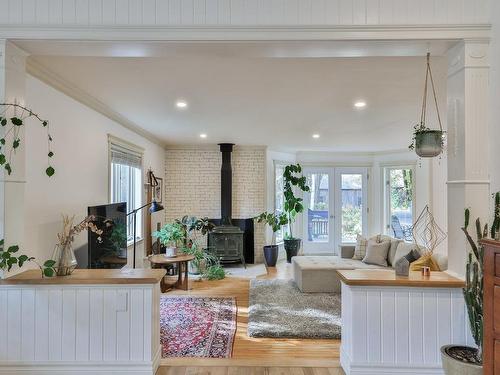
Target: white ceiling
point(250, 94)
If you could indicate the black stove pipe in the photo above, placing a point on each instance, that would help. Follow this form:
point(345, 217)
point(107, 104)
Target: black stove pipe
point(226, 184)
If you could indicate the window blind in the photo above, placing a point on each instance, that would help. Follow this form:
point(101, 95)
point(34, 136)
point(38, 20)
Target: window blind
point(125, 156)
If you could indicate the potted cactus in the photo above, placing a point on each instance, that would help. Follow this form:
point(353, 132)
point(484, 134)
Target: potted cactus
point(459, 359)
point(275, 221)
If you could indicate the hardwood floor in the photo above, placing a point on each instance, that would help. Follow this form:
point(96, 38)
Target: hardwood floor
point(248, 371)
point(256, 355)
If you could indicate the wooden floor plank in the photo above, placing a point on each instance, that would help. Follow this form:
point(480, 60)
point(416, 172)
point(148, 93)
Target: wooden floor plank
point(258, 355)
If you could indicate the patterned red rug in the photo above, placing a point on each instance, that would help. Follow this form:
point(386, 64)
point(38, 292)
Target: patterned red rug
point(197, 326)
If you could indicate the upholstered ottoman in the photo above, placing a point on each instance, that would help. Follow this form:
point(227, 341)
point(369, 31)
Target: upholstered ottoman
point(316, 274)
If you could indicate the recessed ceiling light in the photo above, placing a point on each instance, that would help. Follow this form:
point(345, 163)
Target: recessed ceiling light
point(315, 136)
point(203, 135)
point(181, 104)
point(360, 104)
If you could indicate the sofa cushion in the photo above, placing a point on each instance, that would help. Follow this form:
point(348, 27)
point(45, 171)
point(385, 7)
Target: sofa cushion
point(376, 253)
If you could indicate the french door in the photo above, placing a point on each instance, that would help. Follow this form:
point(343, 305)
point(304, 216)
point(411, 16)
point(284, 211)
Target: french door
point(335, 208)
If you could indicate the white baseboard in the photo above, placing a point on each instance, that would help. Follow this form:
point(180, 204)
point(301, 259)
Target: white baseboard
point(75, 368)
point(385, 369)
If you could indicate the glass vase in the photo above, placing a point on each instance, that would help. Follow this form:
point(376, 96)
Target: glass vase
point(65, 259)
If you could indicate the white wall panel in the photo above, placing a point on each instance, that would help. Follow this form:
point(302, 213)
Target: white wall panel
point(86, 324)
point(400, 329)
point(243, 12)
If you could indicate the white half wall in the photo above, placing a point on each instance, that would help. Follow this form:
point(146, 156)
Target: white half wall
point(81, 161)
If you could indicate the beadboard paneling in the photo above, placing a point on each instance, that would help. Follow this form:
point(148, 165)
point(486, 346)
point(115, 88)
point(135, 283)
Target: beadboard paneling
point(243, 12)
point(87, 324)
point(401, 329)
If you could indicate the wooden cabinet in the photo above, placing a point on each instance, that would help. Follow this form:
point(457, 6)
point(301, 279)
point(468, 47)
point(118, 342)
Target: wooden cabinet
point(491, 341)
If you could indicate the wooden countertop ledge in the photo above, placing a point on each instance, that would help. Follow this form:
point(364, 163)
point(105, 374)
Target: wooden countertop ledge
point(388, 278)
point(87, 277)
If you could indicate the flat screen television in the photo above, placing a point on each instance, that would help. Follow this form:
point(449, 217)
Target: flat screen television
point(111, 250)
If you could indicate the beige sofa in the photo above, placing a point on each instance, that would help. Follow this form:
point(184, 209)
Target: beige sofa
point(316, 274)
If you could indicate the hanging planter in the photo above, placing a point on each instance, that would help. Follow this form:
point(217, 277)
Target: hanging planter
point(426, 142)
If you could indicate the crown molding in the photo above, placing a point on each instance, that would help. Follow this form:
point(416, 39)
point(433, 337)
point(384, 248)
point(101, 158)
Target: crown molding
point(245, 33)
point(52, 79)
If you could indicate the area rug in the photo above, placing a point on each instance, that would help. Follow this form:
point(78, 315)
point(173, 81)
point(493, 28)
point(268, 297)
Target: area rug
point(197, 326)
point(277, 308)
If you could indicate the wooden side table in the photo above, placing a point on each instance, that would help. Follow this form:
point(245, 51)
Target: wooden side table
point(161, 261)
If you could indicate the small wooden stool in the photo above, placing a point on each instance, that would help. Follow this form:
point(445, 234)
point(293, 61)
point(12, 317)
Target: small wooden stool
point(161, 261)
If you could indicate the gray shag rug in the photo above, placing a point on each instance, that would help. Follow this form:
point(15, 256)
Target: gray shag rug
point(277, 308)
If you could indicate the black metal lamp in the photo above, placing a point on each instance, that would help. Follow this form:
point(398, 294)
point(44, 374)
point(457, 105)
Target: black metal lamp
point(155, 207)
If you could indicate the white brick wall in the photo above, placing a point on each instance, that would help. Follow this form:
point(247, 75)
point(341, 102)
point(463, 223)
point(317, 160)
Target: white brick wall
point(192, 185)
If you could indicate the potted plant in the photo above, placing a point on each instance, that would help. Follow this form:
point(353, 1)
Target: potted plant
point(459, 359)
point(171, 236)
point(427, 142)
point(275, 221)
point(292, 178)
point(9, 257)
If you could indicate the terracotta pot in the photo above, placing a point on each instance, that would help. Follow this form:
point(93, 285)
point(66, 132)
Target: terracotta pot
point(452, 366)
point(428, 143)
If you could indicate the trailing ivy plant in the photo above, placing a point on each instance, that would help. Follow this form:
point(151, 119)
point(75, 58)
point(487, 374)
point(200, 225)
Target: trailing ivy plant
point(9, 258)
point(11, 125)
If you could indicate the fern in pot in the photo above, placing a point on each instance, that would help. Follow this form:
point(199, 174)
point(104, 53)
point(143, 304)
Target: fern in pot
point(293, 180)
point(275, 222)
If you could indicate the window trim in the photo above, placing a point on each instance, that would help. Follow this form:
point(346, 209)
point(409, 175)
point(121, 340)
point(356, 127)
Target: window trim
point(385, 212)
point(283, 163)
point(133, 148)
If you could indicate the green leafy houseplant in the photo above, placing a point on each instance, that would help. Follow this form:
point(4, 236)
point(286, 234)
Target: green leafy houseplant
point(275, 222)
point(10, 258)
point(172, 234)
point(292, 180)
point(194, 226)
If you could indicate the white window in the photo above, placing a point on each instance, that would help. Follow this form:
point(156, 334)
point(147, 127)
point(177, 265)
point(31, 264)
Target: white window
point(126, 180)
point(399, 201)
point(279, 168)
point(335, 208)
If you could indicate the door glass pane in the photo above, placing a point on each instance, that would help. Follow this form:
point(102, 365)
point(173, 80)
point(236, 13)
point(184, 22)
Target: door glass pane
point(401, 202)
point(352, 206)
point(318, 207)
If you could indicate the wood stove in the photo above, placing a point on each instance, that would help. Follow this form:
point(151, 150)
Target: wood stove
point(226, 239)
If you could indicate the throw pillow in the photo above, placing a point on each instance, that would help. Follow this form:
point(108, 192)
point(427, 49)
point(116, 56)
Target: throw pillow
point(403, 249)
point(425, 261)
point(392, 251)
point(376, 253)
point(360, 248)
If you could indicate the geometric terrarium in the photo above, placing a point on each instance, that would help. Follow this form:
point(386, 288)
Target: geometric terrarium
point(426, 232)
